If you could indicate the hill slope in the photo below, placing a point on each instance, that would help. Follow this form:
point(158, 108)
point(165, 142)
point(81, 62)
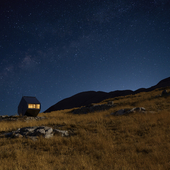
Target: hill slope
point(88, 97)
point(98, 140)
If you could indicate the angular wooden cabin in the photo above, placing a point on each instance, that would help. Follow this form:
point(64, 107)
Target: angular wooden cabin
point(29, 106)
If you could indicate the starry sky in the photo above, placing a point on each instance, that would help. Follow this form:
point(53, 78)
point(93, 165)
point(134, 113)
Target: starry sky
point(53, 49)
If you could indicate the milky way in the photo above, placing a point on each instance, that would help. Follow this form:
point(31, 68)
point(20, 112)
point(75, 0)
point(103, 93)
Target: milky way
point(55, 49)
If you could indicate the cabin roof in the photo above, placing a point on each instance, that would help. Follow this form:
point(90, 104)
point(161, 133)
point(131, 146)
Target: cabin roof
point(31, 100)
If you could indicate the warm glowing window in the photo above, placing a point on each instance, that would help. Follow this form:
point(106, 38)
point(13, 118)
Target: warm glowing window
point(34, 106)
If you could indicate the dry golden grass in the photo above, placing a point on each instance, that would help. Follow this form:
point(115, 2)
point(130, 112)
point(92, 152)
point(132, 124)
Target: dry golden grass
point(101, 141)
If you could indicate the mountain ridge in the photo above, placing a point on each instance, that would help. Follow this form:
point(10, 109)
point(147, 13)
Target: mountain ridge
point(88, 97)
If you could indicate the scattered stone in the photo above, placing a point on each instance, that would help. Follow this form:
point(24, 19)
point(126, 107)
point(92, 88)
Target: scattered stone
point(92, 108)
point(23, 118)
point(40, 131)
point(4, 116)
point(110, 103)
point(34, 138)
point(34, 118)
point(127, 111)
point(17, 135)
point(119, 112)
point(158, 96)
point(137, 109)
point(34, 132)
point(48, 129)
point(9, 134)
point(61, 132)
point(48, 135)
point(164, 92)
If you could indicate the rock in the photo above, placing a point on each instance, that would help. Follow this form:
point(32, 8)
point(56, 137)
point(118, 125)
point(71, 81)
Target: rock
point(39, 131)
point(4, 116)
point(34, 138)
point(9, 134)
point(164, 92)
point(17, 135)
point(34, 118)
point(120, 112)
point(27, 130)
point(48, 135)
point(127, 111)
point(110, 103)
point(61, 132)
point(34, 132)
point(43, 130)
point(158, 96)
point(137, 109)
point(23, 118)
point(48, 129)
point(92, 108)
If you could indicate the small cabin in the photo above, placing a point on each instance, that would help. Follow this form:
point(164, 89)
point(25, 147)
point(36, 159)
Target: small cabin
point(29, 106)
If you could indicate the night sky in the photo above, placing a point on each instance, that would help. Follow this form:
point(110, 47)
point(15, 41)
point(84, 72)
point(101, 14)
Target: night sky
point(53, 49)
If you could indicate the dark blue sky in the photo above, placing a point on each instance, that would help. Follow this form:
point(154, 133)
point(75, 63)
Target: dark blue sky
point(53, 49)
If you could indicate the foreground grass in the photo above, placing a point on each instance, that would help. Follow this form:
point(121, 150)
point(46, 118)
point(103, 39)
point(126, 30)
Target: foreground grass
point(101, 141)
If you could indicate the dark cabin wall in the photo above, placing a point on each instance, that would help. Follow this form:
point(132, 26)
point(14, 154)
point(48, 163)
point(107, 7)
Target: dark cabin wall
point(32, 112)
point(22, 108)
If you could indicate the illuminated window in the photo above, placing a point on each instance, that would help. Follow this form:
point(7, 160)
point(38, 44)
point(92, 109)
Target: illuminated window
point(34, 106)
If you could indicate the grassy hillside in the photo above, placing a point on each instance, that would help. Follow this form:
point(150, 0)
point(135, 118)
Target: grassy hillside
point(100, 140)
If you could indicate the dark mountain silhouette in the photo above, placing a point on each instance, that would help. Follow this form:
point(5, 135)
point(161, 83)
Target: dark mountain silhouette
point(88, 97)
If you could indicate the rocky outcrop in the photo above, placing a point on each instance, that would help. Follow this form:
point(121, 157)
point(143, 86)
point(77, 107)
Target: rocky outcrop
point(36, 131)
point(23, 118)
point(93, 108)
point(163, 94)
point(88, 97)
point(127, 111)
